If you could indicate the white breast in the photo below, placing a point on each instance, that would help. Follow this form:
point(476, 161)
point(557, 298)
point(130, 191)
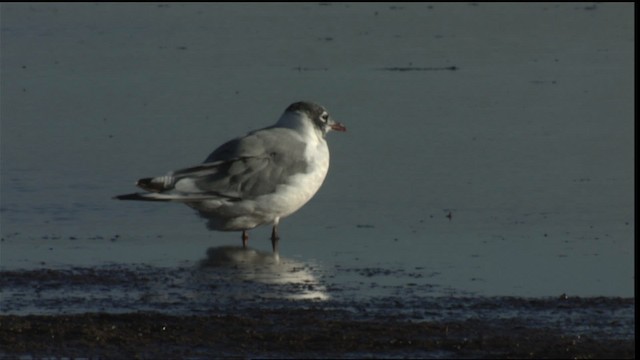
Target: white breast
point(300, 188)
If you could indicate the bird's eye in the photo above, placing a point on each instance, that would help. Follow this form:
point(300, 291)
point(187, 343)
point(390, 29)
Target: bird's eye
point(325, 117)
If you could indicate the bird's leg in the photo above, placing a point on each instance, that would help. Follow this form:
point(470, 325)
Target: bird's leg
point(275, 238)
point(245, 238)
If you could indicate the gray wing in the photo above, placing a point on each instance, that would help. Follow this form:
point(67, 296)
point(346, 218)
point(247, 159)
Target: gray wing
point(242, 168)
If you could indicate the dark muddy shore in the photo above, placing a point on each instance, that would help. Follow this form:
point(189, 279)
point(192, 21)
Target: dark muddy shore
point(289, 333)
point(212, 311)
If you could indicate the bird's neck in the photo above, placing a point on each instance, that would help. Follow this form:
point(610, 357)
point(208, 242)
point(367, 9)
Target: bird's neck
point(300, 124)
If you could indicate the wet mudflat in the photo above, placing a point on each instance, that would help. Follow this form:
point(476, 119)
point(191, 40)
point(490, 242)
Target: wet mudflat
point(204, 310)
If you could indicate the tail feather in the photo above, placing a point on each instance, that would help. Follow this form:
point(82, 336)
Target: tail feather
point(179, 197)
point(156, 184)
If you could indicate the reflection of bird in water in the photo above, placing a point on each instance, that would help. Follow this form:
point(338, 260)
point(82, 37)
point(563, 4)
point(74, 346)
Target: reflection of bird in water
point(294, 279)
point(256, 179)
point(237, 256)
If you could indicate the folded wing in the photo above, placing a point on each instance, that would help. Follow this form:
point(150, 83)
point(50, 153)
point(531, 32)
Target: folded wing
point(242, 168)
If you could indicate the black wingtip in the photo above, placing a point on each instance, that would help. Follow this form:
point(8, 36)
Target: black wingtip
point(139, 197)
point(134, 196)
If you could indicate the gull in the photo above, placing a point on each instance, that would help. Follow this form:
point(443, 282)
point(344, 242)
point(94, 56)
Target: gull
point(256, 179)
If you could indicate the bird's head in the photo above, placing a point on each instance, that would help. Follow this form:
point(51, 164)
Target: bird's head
point(316, 114)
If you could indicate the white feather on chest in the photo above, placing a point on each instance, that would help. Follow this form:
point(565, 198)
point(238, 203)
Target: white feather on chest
point(300, 188)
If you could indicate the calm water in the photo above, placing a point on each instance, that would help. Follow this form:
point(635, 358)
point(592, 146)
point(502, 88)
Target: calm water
point(527, 142)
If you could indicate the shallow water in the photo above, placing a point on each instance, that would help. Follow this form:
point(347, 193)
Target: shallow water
point(489, 151)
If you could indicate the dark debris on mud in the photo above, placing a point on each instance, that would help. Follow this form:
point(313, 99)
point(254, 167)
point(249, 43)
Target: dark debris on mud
point(286, 333)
